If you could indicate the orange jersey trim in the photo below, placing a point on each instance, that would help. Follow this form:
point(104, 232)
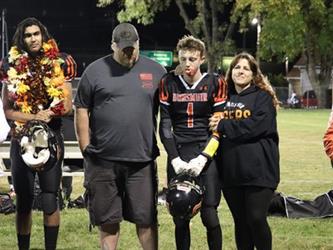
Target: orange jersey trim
point(164, 95)
point(222, 91)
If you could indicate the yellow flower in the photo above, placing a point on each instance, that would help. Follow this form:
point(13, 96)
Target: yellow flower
point(25, 108)
point(22, 76)
point(57, 81)
point(13, 54)
point(57, 69)
point(21, 82)
point(12, 73)
point(47, 81)
point(54, 92)
point(47, 46)
point(45, 61)
point(60, 61)
point(22, 88)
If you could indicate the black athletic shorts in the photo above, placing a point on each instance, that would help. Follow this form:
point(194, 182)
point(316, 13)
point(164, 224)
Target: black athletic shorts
point(24, 177)
point(121, 190)
point(209, 177)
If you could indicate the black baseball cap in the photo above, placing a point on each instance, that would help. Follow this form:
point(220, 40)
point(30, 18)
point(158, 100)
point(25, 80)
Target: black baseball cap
point(125, 35)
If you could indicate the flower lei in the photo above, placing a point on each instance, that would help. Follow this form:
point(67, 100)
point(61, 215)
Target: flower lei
point(35, 84)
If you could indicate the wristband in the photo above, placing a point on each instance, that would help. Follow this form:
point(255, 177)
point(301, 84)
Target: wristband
point(211, 147)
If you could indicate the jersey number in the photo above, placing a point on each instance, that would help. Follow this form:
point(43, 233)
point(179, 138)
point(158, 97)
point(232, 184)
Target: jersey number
point(189, 112)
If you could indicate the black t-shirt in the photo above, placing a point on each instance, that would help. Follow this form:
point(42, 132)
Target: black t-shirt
point(122, 105)
point(188, 108)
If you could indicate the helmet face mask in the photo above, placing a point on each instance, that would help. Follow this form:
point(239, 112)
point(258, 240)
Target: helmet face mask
point(39, 147)
point(184, 196)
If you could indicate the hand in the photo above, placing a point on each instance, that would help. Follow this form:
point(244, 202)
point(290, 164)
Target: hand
point(214, 121)
point(197, 164)
point(44, 115)
point(83, 147)
point(179, 165)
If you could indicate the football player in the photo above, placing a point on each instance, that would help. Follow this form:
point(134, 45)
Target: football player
point(187, 99)
point(36, 78)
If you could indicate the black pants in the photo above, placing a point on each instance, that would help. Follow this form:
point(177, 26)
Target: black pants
point(209, 178)
point(24, 177)
point(249, 206)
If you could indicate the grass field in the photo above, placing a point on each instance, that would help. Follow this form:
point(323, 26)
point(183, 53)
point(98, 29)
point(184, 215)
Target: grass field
point(305, 173)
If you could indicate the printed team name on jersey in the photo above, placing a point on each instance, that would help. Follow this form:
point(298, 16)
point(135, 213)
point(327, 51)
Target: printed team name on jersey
point(146, 80)
point(190, 97)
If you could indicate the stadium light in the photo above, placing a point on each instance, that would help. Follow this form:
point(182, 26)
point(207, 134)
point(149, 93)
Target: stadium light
point(256, 21)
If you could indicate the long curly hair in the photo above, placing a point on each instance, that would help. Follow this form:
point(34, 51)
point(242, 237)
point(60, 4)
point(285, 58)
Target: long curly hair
point(18, 38)
point(258, 78)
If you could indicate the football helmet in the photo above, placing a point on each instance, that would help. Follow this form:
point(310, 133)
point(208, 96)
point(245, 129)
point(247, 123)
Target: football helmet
point(39, 147)
point(184, 196)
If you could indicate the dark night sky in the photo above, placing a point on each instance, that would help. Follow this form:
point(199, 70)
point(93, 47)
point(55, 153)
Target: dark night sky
point(84, 30)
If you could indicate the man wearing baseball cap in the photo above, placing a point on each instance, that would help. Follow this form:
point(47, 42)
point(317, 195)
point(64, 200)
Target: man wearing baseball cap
point(115, 116)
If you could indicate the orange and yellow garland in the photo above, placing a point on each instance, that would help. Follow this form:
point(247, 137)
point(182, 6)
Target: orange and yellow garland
point(36, 84)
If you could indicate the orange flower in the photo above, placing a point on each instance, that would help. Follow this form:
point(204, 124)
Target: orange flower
point(28, 92)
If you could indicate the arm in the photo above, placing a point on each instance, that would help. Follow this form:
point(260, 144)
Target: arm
point(69, 70)
point(219, 95)
point(4, 127)
point(69, 67)
point(254, 123)
point(165, 128)
point(83, 105)
point(81, 123)
point(67, 88)
point(14, 115)
point(328, 138)
point(211, 146)
point(220, 98)
point(165, 132)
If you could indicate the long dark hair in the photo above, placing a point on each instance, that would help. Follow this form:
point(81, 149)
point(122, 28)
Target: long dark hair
point(258, 78)
point(18, 38)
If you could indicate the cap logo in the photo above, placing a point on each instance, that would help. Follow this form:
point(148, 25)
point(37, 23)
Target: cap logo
point(125, 34)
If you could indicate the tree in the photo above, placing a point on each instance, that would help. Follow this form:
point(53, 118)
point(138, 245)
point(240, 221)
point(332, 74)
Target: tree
point(210, 22)
point(293, 28)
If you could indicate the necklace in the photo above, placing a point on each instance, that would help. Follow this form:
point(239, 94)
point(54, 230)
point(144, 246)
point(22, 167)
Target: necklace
point(35, 83)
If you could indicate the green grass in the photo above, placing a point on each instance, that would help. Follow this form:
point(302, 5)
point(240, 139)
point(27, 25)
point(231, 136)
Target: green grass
point(305, 173)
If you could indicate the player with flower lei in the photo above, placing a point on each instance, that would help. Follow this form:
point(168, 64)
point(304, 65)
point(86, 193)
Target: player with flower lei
point(36, 87)
point(36, 84)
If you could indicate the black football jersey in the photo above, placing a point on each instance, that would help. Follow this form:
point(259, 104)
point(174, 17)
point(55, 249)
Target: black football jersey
point(189, 107)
